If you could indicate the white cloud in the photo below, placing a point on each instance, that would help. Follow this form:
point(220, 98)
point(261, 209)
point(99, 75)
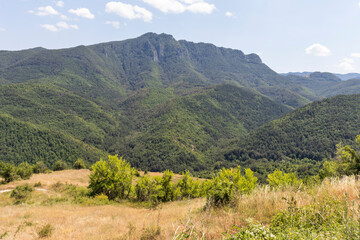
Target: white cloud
point(318, 50)
point(180, 6)
point(355, 55)
point(60, 4)
point(229, 14)
point(347, 64)
point(59, 26)
point(114, 24)
point(50, 27)
point(45, 11)
point(64, 25)
point(191, 1)
point(2, 29)
point(167, 6)
point(82, 12)
point(201, 7)
point(128, 11)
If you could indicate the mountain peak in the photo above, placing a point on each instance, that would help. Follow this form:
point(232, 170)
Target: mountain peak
point(152, 35)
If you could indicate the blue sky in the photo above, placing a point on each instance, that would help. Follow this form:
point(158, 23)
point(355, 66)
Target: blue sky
point(289, 35)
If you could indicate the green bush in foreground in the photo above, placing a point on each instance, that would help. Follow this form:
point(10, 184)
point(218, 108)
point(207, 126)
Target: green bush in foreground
point(112, 177)
point(222, 188)
point(329, 219)
point(21, 193)
point(278, 179)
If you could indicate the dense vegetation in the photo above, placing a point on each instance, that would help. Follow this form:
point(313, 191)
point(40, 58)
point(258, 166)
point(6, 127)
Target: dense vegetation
point(310, 132)
point(166, 104)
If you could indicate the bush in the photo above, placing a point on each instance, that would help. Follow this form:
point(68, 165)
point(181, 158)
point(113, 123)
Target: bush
point(79, 164)
point(46, 231)
point(24, 170)
point(222, 188)
point(40, 167)
point(278, 179)
point(59, 165)
point(112, 178)
point(145, 189)
point(21, 193)
point(328, 219)
point(188, 187)
point(8, 172)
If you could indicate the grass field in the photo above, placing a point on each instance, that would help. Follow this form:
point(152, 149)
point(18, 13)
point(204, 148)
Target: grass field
point(127, 220)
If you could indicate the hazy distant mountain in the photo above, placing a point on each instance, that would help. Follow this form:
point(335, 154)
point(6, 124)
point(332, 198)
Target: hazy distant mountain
point(343, 77)
point(348, 76)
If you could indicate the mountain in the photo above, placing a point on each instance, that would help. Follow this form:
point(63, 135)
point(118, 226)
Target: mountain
point(326, 84)
point(163, 104)
point(343, 77)
point(310, 132)
point(22, 141)
point(185, 132)
point(109, 71)
point(348, 76)
point(158, 102)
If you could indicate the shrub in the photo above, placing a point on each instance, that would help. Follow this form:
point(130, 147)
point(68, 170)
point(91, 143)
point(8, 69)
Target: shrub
point(145, 189)
point(21, 193)
point(279, 179)
point(79, 164)
point(188, 187)
point(8, 172)
point(59, 165)
point(112, 177)
point(150, 233)
point(24, 170)
point(221, 189)
point(46, 231)
point(40, 167)
point(166, 191)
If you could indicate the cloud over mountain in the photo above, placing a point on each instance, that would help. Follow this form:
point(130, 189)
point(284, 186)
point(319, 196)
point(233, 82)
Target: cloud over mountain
point(128, 11)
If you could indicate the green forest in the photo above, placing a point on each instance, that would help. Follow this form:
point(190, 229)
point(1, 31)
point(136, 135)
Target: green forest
point(165, 104)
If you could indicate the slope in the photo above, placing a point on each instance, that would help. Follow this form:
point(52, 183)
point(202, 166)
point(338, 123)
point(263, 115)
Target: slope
point(309, 132)
point(185, 132)
point(107, 72)
point(22, 141)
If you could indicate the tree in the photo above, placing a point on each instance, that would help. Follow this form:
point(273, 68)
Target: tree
point(112, 177)
point(79, 164)
point(59, 165)
point(229, 182)
point(188, 187)
point(279, 179)
point(24, 170)
point(350, 157)
point(8, 172)
point(40, 167)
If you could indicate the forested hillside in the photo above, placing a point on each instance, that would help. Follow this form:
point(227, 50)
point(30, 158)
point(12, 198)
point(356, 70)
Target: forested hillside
point(162, 104)
point(310, 132)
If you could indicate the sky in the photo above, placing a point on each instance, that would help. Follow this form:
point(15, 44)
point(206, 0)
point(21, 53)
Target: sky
point(289, 35)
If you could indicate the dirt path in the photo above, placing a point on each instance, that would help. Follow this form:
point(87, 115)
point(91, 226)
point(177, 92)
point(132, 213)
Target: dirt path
point(37, 189)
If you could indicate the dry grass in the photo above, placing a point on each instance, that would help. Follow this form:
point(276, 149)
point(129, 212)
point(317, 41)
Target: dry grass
point(75, 177)
point(128, 222)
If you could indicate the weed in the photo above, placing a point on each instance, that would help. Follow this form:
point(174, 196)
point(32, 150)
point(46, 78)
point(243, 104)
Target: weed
point(46, 231)
point(38, 184)
point(3, 235)
point(150, 233)
point(21, 193)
